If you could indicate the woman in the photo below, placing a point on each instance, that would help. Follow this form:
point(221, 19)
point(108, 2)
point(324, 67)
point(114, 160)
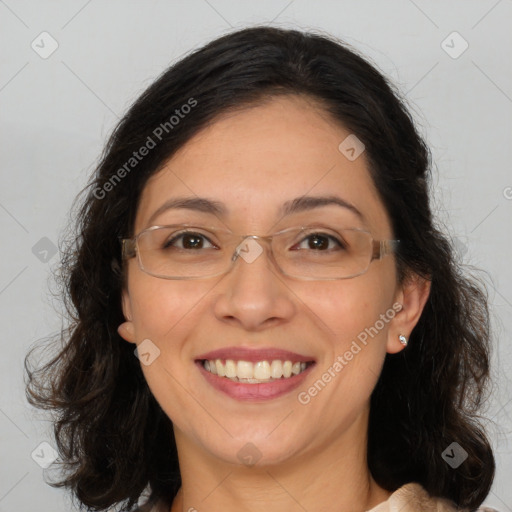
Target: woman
point(264, 315)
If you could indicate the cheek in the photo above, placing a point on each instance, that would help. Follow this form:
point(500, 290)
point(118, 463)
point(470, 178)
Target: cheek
point(159, 305)
point(351, 307)
point(163, 312)
point(166, 312)
point(354, 313)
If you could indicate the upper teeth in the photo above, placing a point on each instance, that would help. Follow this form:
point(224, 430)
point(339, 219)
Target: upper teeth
point(253, 372)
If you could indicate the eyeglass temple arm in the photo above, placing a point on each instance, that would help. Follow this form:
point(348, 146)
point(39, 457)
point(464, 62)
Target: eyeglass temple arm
point(127, 248)
point(383, 247)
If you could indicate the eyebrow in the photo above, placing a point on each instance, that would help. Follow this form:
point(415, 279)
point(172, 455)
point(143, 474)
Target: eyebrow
point(299, 204)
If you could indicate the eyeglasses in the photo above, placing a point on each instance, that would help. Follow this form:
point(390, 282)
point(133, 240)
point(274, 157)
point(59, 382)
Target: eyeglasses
point(183, 251)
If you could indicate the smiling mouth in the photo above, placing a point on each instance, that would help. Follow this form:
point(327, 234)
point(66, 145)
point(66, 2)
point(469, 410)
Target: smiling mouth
point(254, 372)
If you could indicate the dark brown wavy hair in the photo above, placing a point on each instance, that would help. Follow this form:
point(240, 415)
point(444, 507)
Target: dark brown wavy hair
point(115, 442)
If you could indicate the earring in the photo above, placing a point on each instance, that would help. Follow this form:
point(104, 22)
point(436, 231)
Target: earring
point(403, 340)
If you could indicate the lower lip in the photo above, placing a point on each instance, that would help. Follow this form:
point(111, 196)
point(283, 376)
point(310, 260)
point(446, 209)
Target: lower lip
point(254, 392)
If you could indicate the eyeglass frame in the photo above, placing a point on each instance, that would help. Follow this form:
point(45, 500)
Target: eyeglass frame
point(129, 249)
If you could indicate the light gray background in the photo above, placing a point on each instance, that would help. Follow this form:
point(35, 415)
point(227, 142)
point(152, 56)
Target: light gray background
point(58, 111)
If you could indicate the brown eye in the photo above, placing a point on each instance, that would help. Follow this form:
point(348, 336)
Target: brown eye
point(188, 241)
point(320, 242)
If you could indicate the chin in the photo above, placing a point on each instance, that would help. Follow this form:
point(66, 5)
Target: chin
point(258, 449)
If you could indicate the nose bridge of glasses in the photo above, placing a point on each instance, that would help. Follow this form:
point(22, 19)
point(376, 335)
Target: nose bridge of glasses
point(249, 248)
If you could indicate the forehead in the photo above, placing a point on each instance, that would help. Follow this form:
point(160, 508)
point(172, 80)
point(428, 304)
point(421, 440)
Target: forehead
point(256, 159)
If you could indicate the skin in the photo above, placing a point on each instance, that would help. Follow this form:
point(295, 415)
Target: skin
point(313, 457)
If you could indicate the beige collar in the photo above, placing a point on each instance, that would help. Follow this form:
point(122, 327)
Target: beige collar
point(412, 497)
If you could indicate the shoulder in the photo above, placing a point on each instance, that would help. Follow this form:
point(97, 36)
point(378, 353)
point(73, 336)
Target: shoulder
point(412, 497)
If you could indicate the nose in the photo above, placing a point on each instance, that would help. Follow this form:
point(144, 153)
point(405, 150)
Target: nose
point(253, 294)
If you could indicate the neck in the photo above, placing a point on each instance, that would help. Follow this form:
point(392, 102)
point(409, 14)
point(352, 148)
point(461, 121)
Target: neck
point(333, 478)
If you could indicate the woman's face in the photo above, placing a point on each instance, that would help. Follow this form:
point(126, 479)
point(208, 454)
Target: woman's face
point(254, 162)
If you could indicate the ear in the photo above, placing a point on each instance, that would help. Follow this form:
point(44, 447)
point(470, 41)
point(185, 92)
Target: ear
point(412, 296)
point(127, 330)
